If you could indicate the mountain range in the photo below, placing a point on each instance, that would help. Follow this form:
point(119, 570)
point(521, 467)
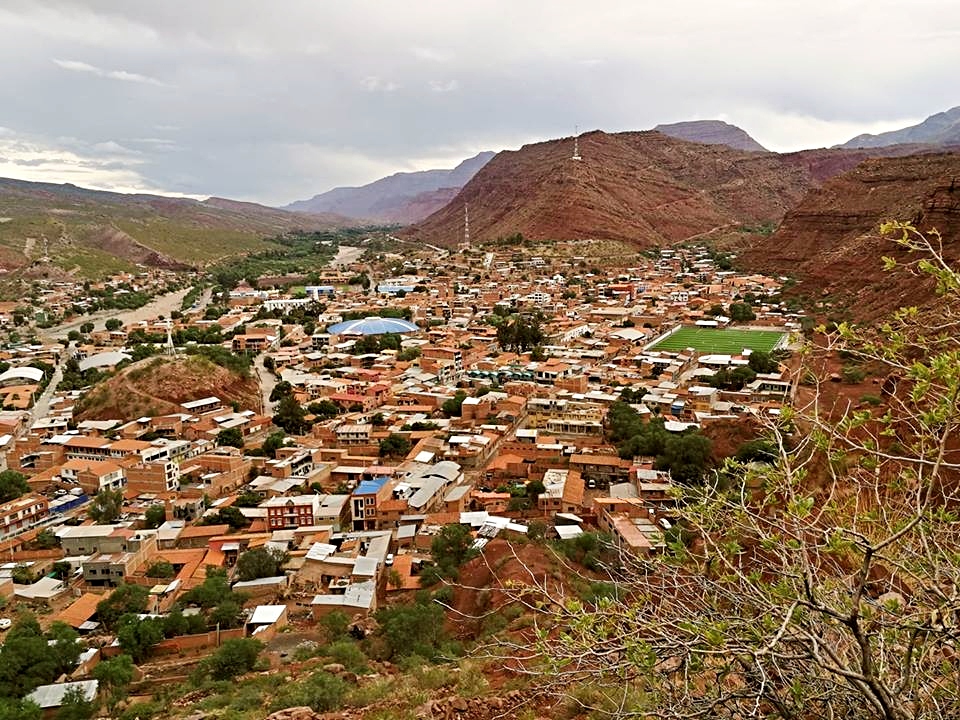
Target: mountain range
point(942, 129)
point(400, 198)
point(712, 132)
point(97, 231)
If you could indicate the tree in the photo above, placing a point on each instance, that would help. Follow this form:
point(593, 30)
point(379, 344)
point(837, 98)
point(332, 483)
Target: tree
point(819, 585)
point(741, 312)
point(260, 563)
point(226, 615)
point(27, 660)
point(281, 390)
point(74, 705)
point(324, 409)
point(113, 324)
point(106, 506)
point(520, 334)
point(86, 328)
point(762, 362)
point(114, 675)
point(138, 637)
point(450, 548)
point(125, 599)
point(161, 569)
point(273, 443)
point(413, 629)
point(232, 437)
point(291, 416)
point(46, 539)
point(155, 516)
point(12, 485)
point(235, 657)
point(454, 406)
point(394, 445)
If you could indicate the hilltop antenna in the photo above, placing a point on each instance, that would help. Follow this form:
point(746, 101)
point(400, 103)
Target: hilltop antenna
point(576, 143)
point(170, 349)
point(466, 226)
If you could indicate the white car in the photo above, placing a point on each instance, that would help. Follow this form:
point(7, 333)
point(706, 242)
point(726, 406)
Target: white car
point(5, 623)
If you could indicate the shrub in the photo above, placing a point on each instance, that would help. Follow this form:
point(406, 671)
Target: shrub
point(321, 692)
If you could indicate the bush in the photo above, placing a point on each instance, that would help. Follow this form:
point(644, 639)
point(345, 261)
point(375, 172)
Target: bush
point(233, 658)
point(348, 654)
point(321, 692)
point(852, 374)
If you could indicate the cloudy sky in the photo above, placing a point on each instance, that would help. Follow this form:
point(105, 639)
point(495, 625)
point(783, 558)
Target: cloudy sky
point(274, 101)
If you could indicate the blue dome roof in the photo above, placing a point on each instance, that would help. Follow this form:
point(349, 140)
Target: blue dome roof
point(373, 326)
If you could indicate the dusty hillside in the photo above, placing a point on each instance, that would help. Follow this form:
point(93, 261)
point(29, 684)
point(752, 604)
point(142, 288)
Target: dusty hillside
point(642, 187)
point(91, 230)
point(830, 242)
point(156, 386)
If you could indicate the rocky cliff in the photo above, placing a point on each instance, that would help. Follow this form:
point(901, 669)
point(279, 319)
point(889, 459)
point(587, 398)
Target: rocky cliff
point(642, 187)
point(829, 241)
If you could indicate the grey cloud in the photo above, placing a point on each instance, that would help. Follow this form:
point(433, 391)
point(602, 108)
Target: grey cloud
point(278, 102)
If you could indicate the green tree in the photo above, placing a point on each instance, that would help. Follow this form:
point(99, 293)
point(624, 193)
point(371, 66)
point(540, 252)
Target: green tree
point(273, 442)
point(114, 675)
point(450, 548)
point(75, 706)
point(741, 312)
point(324, 409)
point(113, 324)
point(686, 455)
point(762, 362)
point(290, 416)
point(86, 328)
point(155, 516)
point(394, 445)
point(16, 709)
point(125, 599)
point(28, 660)
point(413, 629)
point(138, 637)
point(235, 657)
point(106, 506)
point(227, 614)
point(232, 437)
point(12, 485)
point(260, 563)
point(161, 569)
point(281, 390)
point(454, 406)
point(46, 539)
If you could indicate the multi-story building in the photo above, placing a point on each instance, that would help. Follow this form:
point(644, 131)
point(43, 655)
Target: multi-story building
point(22, 513)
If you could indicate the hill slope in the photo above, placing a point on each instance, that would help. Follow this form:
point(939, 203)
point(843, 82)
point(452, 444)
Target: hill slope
point(401, 198)
point(830, 242)
point(939, 129)
point(712, 132)
point(641, 187)
point(157, 386)
point(93, 230)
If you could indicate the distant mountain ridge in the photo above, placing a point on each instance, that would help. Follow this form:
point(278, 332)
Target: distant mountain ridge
point(711, 132)
point(399, 198)
point(939, 129)
point(642, 187)
point(92, 230)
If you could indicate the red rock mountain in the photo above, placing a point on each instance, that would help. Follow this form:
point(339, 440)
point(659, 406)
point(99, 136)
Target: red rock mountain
point(829, 241)
point(642, 187)
point(712, 132)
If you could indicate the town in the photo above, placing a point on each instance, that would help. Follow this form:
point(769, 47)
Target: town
point(356, 415)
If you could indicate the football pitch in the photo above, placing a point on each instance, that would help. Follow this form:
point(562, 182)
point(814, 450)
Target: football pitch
point(726, 341)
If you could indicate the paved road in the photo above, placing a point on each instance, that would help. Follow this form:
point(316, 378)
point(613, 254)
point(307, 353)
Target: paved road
point(268, 381)
point(42, 406)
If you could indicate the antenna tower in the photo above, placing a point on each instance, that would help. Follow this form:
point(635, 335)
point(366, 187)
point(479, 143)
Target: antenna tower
point(466, 226)
point(576, 143)
point(170, 349)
